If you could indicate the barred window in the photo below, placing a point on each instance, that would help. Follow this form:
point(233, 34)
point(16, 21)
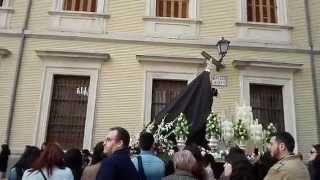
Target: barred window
point(267, 104)
point(68, 111)
point(165, 92)
point(262, 11)
point(172, 8)
point(80, 5)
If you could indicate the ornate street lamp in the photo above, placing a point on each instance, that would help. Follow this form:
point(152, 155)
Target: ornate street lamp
point(223, 47)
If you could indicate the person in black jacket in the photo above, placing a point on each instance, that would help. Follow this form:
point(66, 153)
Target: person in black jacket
point(4, 156)
point(237, 166)
point(314, 162)
point(118, 165)
point(73, 160)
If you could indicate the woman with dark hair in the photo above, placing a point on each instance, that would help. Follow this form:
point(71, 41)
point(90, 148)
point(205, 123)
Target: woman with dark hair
point(73, 160)
point(90, 172)
point(4, 156)
point(314, 162)
point(49, 166)
point(86, 158)
point(237, 166)
point(30, 154)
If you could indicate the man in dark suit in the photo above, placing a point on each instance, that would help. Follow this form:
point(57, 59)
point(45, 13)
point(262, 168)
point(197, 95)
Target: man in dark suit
point(118, 165)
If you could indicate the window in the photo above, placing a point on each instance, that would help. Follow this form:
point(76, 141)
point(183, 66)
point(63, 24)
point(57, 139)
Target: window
point(1, 2)
point(172, 8)
point(267, 104)
point(68, 111)
point(262, 11)
point(164, 92)
point(80, 5)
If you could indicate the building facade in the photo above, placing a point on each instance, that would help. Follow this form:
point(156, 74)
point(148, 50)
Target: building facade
point(71, 69)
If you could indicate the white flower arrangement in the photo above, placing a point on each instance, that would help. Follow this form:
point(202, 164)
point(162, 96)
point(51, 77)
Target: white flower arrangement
point(240, 130)
point(162, 134)
point(182, 128)
point(269, 132)
point(213, 128)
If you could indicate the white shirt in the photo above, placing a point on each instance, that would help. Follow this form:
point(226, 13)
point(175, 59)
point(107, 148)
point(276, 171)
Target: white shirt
point(57, 174)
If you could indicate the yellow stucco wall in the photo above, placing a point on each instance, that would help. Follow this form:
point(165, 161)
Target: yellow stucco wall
point(120, 92)
point(315, 23)
point(7, 73)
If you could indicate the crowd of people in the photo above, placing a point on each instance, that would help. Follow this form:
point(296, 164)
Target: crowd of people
point(111, 160)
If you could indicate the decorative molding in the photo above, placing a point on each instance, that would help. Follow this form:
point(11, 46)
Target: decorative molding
point(50, 68)
point(264, 25)
point(171, 19)
point(240, 64)
point(74, 54)
point(4, 52)
point(140, 38)
point(170, 59)
point(79, 13)
point(271, 73)
point(7, 9)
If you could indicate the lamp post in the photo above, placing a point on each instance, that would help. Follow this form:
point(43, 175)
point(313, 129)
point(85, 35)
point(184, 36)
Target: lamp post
point(223, 47)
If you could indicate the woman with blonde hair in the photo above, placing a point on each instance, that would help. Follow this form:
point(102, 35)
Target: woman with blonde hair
point(49, 166)
point(184, 163)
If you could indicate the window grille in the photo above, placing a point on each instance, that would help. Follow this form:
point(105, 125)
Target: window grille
point(80, 5)
point(68, 111)
point(267, 105)
point(172, 8)
point(262, 11)
point(164, 92)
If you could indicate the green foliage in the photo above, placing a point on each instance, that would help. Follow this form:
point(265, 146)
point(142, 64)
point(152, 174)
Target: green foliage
point(182, 128)
point(213, 128)
point(240, 131)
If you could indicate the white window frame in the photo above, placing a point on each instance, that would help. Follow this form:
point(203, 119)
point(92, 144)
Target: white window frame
point(171, 27)
point(268, 73)
point(282, 16)
point(261, 32)
point(6, 12)
point(150, 76)
point(79, 21)
point(67, 63)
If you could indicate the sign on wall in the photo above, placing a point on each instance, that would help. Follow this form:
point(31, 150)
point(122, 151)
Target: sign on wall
point(219, 81)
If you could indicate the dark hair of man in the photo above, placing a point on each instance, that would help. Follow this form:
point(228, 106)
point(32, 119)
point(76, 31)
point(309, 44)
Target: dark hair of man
point(73, 160)
point(122, 134)
point(317, 148)
point(98, 154)
point(287, 139)
point(146, 141)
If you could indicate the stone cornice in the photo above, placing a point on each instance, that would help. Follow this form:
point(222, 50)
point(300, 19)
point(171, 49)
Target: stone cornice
point(98, 56)
point(243, 64)
point(138, 38)
point(170, 59)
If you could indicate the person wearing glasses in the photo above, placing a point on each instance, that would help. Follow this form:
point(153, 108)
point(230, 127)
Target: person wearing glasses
point(118, 165)
point(314, 162)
